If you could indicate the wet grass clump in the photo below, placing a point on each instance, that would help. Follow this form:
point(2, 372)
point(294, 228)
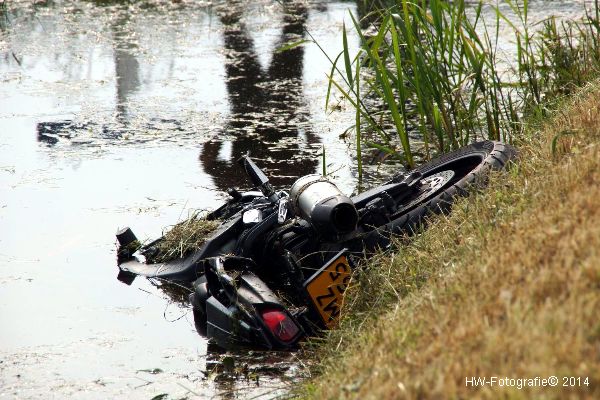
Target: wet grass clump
point(183, 238)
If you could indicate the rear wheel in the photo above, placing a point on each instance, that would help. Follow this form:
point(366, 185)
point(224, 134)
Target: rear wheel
point(445, 178)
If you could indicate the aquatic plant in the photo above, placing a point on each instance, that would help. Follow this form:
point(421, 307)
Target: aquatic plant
point(556, 59)
point(433, 72)
point(434, 67)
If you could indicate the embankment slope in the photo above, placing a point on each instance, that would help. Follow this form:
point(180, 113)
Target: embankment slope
point(508, 285)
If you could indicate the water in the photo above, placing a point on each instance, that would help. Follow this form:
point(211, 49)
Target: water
point(114, 115)
point(132, 114)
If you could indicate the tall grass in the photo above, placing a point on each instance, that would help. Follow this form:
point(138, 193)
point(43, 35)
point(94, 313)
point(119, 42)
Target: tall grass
point(434, 67)
point(433, 73)
point(556, 59)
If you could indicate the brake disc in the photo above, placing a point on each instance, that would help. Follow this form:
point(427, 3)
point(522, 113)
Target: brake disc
point(429, 186)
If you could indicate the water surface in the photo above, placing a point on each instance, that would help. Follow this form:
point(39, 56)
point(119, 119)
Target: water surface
point(133, 114)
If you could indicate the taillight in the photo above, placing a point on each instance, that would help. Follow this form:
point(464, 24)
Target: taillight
point(280, 324)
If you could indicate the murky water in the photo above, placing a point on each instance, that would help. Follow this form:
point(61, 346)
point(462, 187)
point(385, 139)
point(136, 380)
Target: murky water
point(132, 114)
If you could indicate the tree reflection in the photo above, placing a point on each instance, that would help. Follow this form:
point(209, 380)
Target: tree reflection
point(127, 66)
point(127, 82)
point(268, 117)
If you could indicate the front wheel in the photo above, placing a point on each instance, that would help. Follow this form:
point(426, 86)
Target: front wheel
point(445, 178)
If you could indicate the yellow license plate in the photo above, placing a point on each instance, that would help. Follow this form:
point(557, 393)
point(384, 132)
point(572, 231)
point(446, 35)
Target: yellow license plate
point(327, 286)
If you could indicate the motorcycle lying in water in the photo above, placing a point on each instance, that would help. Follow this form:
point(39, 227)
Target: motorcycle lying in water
point(276, 267)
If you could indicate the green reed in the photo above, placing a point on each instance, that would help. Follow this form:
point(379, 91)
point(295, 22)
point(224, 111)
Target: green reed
point(434, 67)
point(557, 58)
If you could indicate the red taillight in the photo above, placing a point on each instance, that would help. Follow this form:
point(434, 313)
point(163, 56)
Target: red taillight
point(280, 324)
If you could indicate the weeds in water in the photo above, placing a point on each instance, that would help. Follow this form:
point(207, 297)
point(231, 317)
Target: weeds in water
point(434, 66)
point(558, 58)
point(433, 72)
point(324, 161)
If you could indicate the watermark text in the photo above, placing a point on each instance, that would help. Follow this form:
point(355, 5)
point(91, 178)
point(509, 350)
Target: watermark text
point(521, 383)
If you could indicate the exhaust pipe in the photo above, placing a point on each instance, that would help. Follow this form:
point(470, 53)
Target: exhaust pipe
point(321, 203)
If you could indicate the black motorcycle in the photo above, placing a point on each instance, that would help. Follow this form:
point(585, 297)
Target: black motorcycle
point(276, 268)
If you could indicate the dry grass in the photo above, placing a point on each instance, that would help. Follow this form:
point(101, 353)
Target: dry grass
point(508, 285)
point(184, 237)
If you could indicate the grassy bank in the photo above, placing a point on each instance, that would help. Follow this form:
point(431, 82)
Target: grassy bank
point(508, 285)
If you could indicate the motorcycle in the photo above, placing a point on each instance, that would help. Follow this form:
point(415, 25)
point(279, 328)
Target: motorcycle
point(276, 268)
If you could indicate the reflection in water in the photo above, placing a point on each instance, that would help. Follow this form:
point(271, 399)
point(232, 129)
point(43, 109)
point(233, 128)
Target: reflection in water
point(126, 65)
point(4, 22)
point(127, 83)
point(368, 11)
point(272, 372)
point(268, 117)
point(51, 132)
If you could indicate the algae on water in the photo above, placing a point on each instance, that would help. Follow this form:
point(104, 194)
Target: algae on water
point(184, 237)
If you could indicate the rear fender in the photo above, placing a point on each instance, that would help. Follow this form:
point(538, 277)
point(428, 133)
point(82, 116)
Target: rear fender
point(234, 307)
point(227, 327)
